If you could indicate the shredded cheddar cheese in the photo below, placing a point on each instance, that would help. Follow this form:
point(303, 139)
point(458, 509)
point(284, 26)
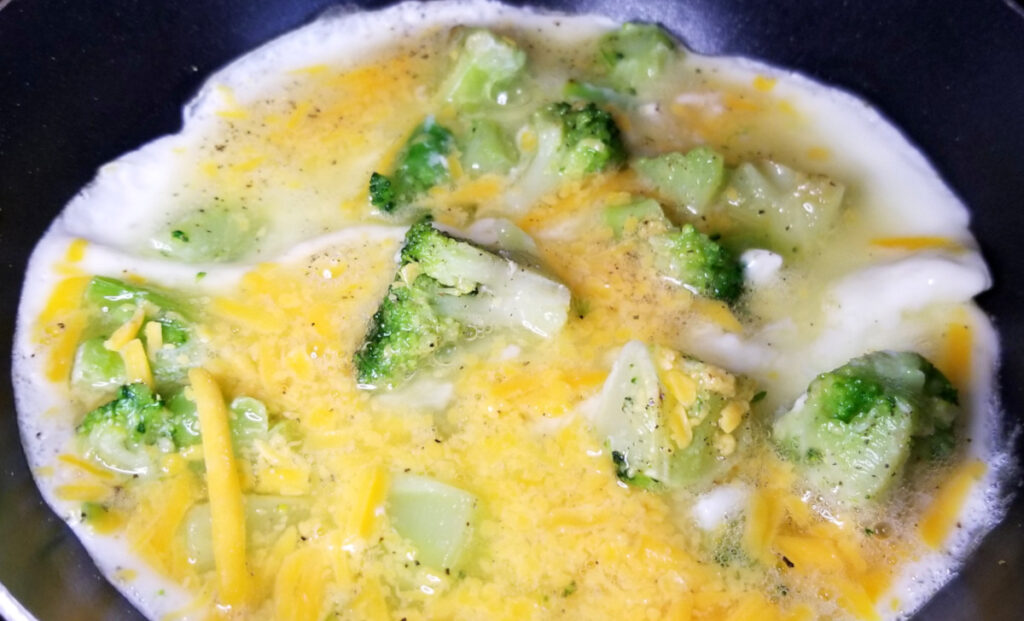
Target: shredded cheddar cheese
point(225, 492)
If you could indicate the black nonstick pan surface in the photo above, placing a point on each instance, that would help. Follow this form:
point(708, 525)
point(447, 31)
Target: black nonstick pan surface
point(82, 81)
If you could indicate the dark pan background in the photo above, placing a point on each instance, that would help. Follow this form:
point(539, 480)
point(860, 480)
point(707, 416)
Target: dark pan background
point(82, 81)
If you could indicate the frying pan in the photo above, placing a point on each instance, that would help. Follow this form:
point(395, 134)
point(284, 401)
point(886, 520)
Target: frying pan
point(82, 81)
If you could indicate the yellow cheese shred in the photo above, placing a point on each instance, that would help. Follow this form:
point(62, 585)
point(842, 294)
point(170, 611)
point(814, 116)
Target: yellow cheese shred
point(941, 516)
point(126, 332)
point(136, 364)
point(225, 492)
point(154, 338)
point(368, 504)
point(300, 585)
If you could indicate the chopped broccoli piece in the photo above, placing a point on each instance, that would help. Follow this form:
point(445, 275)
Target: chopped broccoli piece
point(689, 181)
point(640, 415)
point(113, 302)
point(266, 517)
point(96, 367)
point(120, 434)
point(444, 287)
point(634, 215)
point(591, 139)
point(184, 419)
point(857, 426)
point(214, 233)
point(382, 192)
point(779, 208)
point(405, 331)
point(249, 420)
point(630, 418)
point(435, 517)
point(634, 56)
point(488, 66)
point(692, 259)
point(110, 293)
point(487, 149)
point(573, 140)
point(421, 165)
point(575, 89)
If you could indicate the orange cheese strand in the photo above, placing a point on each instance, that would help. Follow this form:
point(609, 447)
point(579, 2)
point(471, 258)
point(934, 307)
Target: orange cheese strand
point(917, 243)
point(940, 517)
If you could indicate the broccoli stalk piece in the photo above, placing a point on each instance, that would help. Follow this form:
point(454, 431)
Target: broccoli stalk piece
point(421, 165)
point(695, 261)
point(488, 66)
point(573, 140)
point(632, 216)
point(663, 423)
point(634, 56)
point(486, 149)
point(446, 287)
point(776, 207)
point(689, 181)
point(123, 433)
point(858, 425)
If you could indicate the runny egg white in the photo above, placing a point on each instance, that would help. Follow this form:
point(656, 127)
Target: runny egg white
point(277, 150)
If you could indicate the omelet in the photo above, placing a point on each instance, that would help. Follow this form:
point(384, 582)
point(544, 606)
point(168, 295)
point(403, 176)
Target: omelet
point(455, 310)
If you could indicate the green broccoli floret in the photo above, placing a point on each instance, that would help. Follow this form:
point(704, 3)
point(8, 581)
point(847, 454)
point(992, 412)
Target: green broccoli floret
point(446, 287)
point(591, 140)
point(421, 165)
point(487, 68)
point(405, 331)
point(858, 425)
point(573, 140)
point(635, 55)
point(124, 433)
point(697, 262)
point(689, 181)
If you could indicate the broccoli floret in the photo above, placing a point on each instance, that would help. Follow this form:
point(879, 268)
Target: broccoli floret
point(488, 66)
point(591, 140)
point(123, 433)
point(573, 140)
point(857, 426)
point(421, 165)
point(697, 262)
point(405, 331)
point(446, 287)
point(689, 181)
point(382, 192)
point(635, 55)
